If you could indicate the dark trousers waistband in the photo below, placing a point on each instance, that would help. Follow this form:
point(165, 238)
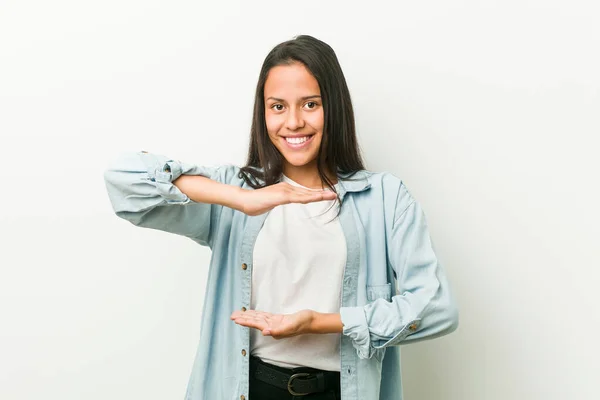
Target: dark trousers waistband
point(301, 381)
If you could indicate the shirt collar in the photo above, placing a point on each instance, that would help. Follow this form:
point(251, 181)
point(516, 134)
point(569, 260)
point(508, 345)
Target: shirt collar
point(357, 183)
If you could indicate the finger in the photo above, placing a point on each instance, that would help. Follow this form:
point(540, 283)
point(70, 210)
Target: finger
point(247, 312)
point(293, 195)
point(250, 316)
point(256, 314)
point(263, 314)
point(310, 197)
point(251, 323)
point(254, 318)
point(316, 196)
point(290, 190)
point(302, 190)
point(237, 314)
point(326, 195)
point(314, 191)
point(297, 189)
point(329, 195)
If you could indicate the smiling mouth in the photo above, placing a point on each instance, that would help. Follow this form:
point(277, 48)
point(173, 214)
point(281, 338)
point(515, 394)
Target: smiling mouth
point(298, 142)
point(298, 139)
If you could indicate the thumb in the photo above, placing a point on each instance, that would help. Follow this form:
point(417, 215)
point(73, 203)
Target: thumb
point(272, 331)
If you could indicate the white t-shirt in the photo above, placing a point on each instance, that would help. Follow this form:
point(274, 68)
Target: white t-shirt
point(298, 263)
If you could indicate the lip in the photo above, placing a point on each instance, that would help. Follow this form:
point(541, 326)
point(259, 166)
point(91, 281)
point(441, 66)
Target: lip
point(297, 146)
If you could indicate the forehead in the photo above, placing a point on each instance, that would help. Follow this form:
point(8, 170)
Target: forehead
point(291, 81)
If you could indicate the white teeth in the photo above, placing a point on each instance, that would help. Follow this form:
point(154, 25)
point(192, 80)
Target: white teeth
point(297, 140)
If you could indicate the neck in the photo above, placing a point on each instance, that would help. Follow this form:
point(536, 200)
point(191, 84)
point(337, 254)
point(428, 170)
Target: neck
point(307, 176)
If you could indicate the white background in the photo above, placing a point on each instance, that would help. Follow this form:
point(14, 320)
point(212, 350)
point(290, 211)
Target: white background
point(488, 110)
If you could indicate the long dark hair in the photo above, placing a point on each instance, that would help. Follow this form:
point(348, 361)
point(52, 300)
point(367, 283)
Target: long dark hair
point(339, 152)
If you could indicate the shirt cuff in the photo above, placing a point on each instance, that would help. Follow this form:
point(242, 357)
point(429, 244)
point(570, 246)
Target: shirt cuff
point(163, 173)
point(408, 329)
point(357, 329)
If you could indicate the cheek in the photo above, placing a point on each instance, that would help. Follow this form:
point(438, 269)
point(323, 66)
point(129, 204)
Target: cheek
point(273, 124)
point(316, 120)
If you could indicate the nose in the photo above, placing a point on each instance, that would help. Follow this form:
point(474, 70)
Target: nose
point(294, 120)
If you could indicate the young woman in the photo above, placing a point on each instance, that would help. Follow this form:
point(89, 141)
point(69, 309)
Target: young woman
point(319, 268)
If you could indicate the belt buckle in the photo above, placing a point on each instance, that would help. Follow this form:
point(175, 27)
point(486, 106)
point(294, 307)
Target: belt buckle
point(289, 385)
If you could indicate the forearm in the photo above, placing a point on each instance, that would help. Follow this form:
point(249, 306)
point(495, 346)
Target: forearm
point(326, 323)
point(204, 190)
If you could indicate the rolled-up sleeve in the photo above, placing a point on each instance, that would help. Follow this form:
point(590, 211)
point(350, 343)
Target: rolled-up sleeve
point(141, 190)
point(424, 307)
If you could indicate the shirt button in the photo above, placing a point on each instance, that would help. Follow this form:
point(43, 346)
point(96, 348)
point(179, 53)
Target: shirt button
point(412, 327)
point(243, 308)
point(244, 352)
point(242, 397)
point(244, 266)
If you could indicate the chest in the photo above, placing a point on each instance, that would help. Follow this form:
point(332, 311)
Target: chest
point(300, 247)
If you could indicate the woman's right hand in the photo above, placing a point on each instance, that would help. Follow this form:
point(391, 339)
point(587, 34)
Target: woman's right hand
point(259, 201)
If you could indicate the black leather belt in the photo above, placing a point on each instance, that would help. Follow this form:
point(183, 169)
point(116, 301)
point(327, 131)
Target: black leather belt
point(298, 381)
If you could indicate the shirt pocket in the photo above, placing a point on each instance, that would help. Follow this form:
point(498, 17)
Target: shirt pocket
point(375, 292)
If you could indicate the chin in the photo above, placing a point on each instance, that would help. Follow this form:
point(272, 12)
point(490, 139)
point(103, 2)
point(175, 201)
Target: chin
point(299, 162)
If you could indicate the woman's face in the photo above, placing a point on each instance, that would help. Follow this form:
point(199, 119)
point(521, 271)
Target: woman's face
point(294, 114)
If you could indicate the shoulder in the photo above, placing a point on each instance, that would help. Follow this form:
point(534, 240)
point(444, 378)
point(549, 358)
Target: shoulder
point(385, 180)
point(376, 181)
point(383, 188)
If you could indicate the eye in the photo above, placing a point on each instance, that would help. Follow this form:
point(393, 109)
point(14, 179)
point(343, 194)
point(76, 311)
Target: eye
point(277, 107)
point(311, 105)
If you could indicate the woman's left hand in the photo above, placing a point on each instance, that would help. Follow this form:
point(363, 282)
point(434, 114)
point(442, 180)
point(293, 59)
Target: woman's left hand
point(276, 325)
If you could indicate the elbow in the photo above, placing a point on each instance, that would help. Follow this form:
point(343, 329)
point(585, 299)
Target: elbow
point(445, 320)
point(453, 318)
point(125, 204)
point(444, 315)
point(132, 217)
point(114, 182)
point(112, 189)
point(109, 176)
point(450, 319)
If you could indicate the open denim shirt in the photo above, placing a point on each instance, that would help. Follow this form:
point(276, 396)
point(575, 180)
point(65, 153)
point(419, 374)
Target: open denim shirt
point(394, 288)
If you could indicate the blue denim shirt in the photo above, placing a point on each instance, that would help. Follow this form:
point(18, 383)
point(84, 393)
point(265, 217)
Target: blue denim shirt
point(394, 288)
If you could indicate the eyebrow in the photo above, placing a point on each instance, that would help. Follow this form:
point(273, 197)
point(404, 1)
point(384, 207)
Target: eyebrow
point(314, 96)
